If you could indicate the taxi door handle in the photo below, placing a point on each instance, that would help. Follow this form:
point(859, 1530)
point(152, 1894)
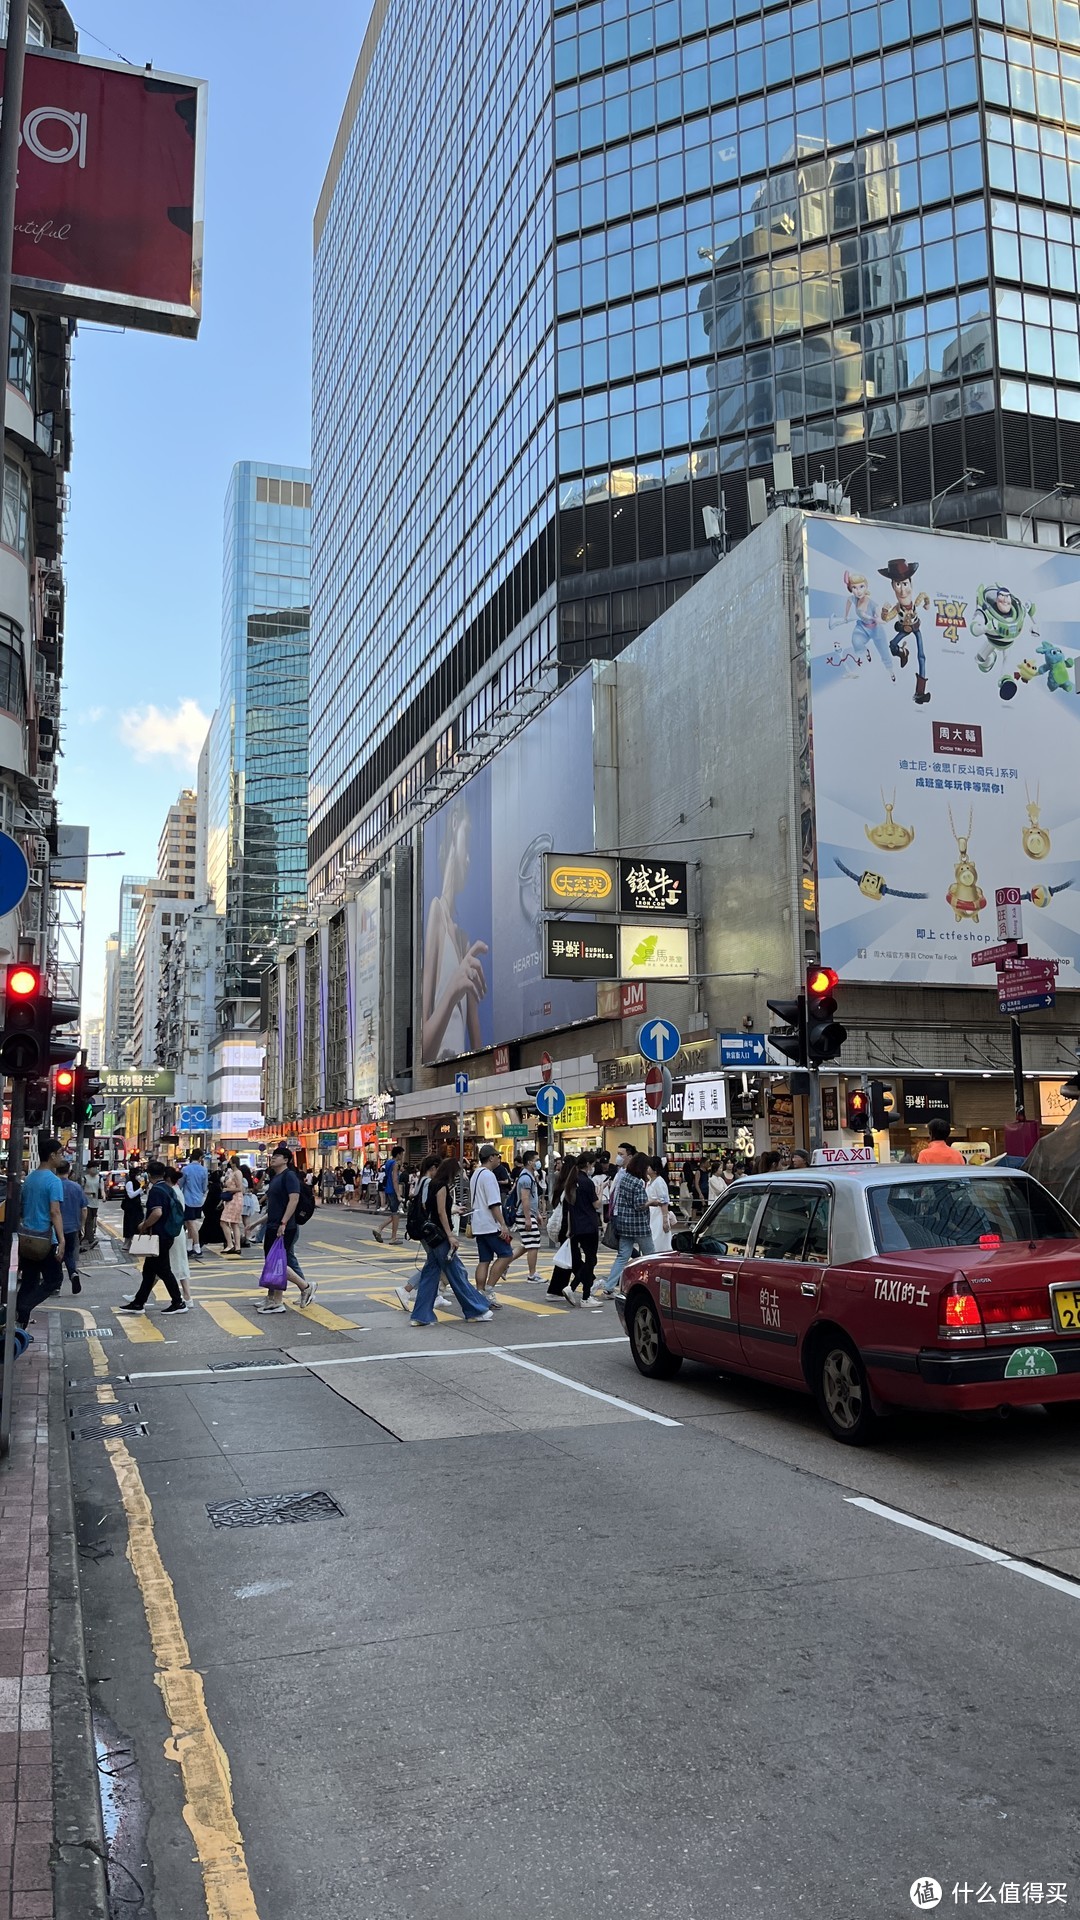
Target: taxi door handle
point(729, 1279)
point(809, 1288)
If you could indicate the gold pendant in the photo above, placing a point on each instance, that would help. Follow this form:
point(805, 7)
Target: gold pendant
point(965, 896)
point(888, 834)
point(1035, 839)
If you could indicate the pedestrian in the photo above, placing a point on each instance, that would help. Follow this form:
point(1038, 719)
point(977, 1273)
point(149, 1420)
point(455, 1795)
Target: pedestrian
point(489, 1227)
point(131, 1204)
point(407, 1288)
point(367, 1182)
point(249, 1203)
point(630, 1219)
point(41, 1233)
point(178, 1256)
point(210, 1233)
point(393, 1197)
point(93, 1187)
point(799, 1159)
point(73, 1215)
point(575, 1192)
point(939, 1151)
point(623, 1158)
point(349, 1178)
point(769, 1163)
point(442, 1262)
point(232, 1210)
point(339, 1187)
point(527, 1225)
point(164, 1220)
point(282, 1200)
point(194, 1181)
point(659, 1198)
point(718, 1183)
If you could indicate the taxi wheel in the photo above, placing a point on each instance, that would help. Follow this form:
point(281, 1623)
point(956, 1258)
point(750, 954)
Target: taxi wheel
point(651, 1356)
point(842, 1391)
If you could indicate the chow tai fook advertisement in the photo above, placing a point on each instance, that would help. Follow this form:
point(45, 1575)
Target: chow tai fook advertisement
point(108, 214)
point(945, 701)
point(483, 863)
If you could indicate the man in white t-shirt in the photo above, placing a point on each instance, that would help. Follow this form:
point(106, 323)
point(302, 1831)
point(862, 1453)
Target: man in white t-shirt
point(489, 1227)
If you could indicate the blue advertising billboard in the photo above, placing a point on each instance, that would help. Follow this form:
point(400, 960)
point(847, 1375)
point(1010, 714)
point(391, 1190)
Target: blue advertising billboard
point(483, 966)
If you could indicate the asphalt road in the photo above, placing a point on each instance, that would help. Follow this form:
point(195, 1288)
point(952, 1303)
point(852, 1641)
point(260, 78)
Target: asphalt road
point(575, 1642)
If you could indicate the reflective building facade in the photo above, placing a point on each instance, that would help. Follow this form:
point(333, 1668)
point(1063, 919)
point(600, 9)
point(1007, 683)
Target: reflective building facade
point(574, 263)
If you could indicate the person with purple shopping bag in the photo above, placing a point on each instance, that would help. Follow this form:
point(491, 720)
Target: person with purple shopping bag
point(282, 1201)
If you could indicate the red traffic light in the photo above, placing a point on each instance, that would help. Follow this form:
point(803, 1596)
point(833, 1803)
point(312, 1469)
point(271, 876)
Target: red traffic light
point(65, 1079)
point(23, 983)
point(821, 980)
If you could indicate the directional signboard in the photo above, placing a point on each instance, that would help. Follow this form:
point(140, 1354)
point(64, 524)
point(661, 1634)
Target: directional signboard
point(993, 956)
point(1026, 1003)
point(1010, 923)
point(659, 1040)
point(550, 1101)
point(742, 1049)
point(461, 1083)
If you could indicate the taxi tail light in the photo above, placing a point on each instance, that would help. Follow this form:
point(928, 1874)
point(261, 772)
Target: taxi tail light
point(1009, 1308)
point(958, 1311)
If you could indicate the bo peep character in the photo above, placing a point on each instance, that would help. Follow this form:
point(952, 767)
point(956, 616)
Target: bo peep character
point(868, 634)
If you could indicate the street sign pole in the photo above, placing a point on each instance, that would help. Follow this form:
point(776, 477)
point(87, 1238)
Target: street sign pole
point(1018, 1067)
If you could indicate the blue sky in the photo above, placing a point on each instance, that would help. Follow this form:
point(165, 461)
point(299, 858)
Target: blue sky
point(158, 423)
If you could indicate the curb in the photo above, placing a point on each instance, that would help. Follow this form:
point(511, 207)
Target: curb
point(80, 1859)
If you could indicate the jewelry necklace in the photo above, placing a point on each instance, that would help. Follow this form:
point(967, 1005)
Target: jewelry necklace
point(1034, 839)
point(888, 834)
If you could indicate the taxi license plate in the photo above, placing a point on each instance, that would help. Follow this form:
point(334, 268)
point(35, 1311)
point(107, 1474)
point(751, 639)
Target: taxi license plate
point(1066, 1304)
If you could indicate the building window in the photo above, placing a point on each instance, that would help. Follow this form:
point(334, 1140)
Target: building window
point(12, 674)
point(21, 356)
point(15, 527)
point(282, 493)
point(37, 33)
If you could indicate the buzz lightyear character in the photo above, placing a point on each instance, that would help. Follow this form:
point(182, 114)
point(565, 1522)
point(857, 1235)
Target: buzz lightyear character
point(998, 620)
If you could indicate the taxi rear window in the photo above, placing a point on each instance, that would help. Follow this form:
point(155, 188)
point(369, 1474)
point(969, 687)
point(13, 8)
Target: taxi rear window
point(959, 1212)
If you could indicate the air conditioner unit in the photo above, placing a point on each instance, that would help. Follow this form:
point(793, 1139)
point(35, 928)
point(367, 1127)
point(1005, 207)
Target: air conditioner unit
point(37, 877)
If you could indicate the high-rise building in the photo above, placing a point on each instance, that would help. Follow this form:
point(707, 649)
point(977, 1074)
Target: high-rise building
point(579, 269)
point(176, 847)
point(109, 999)
point(120, 1035)
point(257, 768)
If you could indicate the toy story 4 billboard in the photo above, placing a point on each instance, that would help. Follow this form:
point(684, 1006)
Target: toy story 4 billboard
point(945, 716)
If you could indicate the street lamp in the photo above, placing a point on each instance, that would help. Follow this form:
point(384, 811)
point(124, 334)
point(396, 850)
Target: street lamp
point(1056, 493)
point(967, 479)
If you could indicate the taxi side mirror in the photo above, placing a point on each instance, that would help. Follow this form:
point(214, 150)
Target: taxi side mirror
point(682, 1242)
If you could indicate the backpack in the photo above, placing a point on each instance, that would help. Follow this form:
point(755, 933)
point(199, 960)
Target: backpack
point(416, 1212)
point(176, 1213)
point(512, 1200)
point(305, 1206)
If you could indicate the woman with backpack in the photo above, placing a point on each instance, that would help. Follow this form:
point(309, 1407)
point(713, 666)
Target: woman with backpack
point(442, 1262)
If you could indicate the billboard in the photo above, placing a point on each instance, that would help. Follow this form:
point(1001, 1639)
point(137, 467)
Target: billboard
point(483, 960)
point(945, 700)
point(362, 922)
point(108, 215)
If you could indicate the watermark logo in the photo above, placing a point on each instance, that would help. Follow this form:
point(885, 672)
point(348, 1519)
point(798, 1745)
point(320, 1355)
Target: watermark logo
point(925, 1893)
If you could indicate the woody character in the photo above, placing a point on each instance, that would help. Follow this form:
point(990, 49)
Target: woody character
point(905, 614)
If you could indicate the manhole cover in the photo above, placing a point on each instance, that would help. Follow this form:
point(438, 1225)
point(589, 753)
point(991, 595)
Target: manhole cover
point(95, 1410)
point(242, 1366)
point(89, 1333)
point(123, 1429)
point(273, 1510)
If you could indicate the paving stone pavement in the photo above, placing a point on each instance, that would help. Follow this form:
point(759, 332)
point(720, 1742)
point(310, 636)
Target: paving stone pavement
point(26, 1793)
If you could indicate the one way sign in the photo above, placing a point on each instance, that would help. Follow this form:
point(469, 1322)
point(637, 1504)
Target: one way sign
point(742, 1049)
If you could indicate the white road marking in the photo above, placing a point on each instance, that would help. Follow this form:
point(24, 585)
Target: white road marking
point(611, 1399)
point(982, 1552)
point(366, 1359)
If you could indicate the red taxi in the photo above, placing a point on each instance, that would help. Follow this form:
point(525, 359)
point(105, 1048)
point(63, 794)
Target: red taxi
point(940, 1288)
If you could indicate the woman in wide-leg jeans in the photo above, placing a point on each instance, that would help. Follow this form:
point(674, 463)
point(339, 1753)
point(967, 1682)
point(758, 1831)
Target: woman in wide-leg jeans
point(442, 1257)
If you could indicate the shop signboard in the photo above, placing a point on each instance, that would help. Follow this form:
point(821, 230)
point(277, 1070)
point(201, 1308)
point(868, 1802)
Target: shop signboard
point(925, 1100)
point(574, 1117)
point(607, 1109)
point(1054, 1106)
point(483, 888)
point(621, 1000)
point(580, 950)
point(830, 1110)
point(109, 216)
point(649, 952)
point(653, 888)
point(152, 1082)
point(580, 883)
point(700, 1098)
point(695, 1057)
point(781, 1110)
point(944, 685)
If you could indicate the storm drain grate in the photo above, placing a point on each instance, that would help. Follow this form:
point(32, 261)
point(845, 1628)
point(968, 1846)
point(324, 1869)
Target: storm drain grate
point(89, 1333)
point(242, 1366)
point(95, 1410)
point(273, 1510)
point(124, 1429)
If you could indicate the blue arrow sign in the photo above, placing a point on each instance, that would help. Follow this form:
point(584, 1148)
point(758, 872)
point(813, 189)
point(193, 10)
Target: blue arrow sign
point(14, 873)
point(461, 1083)
point(659, 1040)
point(1030, 1003)
point(742, 1049)
point(550, 1101)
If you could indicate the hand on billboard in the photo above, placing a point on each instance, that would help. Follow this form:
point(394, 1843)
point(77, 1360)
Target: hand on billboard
point(469, 977)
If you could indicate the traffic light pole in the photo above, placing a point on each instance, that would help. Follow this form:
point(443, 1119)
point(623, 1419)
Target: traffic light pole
point(814, 1102)
point(7, 1241)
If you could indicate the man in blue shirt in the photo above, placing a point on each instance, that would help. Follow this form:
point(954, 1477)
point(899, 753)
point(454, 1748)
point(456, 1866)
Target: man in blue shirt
point(41, 1232)
point(73, 1215)
point(156, 1267)
point(393, 1197)
point(194, 1181)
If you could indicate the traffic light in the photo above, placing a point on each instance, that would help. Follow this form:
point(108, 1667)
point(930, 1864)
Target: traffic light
point(36, 1100)
point(824, 1034)
point(882, 1106)
point(91, 1091)
point(64, 1085)
point(30, 1014)
point(791, 1044)
point(858, 1110)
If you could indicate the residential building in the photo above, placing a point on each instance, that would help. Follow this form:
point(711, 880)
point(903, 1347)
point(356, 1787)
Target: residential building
point(176, 847)
point(649, 243)
point(161, 915)
point(119, 1038)
point(109, 999)
point(187, 1003)
point(93, 1041)
point(257, 768)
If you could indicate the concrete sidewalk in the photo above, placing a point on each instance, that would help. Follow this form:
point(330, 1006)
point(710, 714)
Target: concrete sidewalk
point(26, 1790)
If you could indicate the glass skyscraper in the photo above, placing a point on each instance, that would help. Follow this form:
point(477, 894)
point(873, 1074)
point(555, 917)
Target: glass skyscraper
point(257, 812)
point(574, 265)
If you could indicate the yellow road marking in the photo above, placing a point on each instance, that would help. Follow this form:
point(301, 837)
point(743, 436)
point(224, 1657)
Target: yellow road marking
point(324, 1318)
point(229, 1320)
point(193, 1744)
point(143, 1332)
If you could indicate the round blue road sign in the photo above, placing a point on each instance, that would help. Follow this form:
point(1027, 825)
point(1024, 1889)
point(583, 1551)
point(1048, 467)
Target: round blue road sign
point(550, 1101)
point(14, 874)
point(659, 1040)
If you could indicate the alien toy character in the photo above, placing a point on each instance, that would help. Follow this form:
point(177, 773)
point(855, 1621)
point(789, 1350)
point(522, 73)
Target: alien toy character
point(1055, 666)
point(905, 615)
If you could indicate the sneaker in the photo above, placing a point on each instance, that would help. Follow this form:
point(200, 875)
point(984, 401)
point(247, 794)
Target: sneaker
point(492, 1302)
point(403, 1294)
point(76, 1285)
point(423, 1323)
point(178, 1306)
point(195, 1253)
point(307, 1292)
point(269, 1308)
point(570, 1299)
point(128, 1306)
point(472, 1318)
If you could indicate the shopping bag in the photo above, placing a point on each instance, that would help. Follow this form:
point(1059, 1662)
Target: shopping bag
point(554, 1223)
point(564, 1259)
point(144, 1246)
point(610, 1237)
point(275, 1273)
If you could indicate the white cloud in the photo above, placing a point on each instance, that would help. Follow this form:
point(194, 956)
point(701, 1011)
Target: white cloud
point(154, 735)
